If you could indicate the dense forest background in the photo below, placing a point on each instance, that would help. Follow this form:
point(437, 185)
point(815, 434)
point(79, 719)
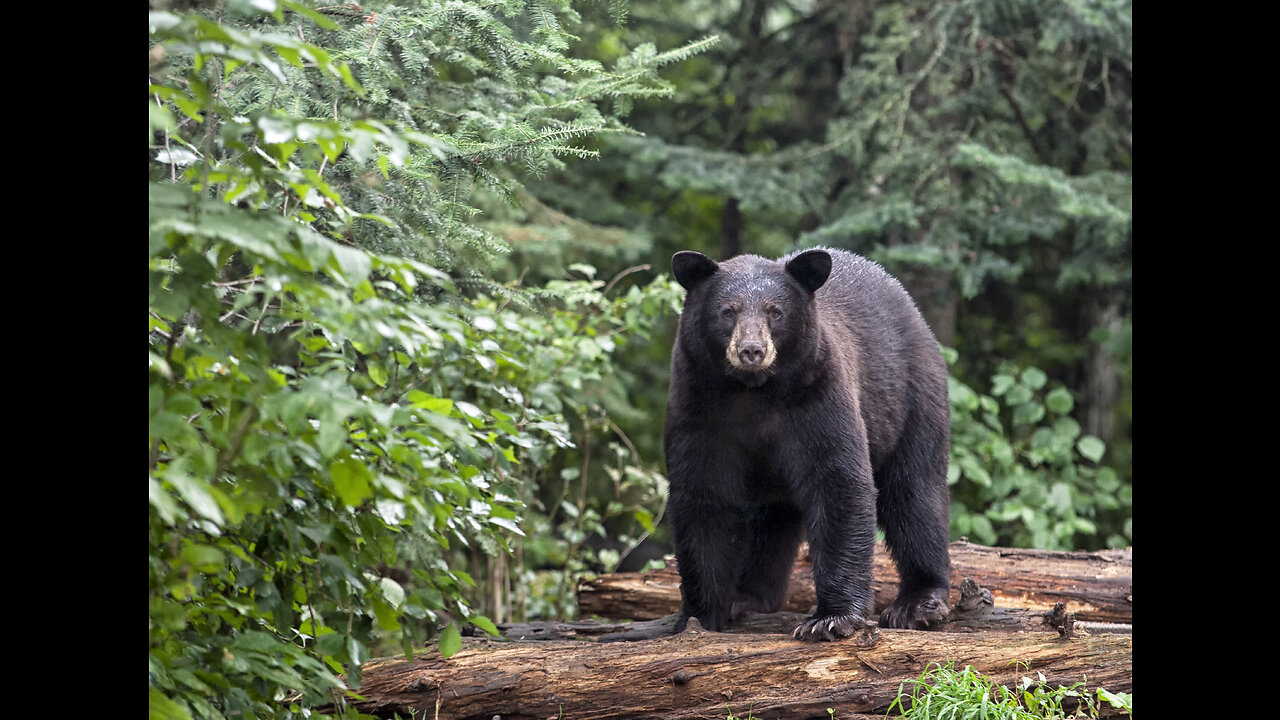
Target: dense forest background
point(410, 315)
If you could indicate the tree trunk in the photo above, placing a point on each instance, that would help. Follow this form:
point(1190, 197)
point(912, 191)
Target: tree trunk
point(1095, 586)
point(730, 229)
point(935, 293)
point(700, 674)
point(1101, 376)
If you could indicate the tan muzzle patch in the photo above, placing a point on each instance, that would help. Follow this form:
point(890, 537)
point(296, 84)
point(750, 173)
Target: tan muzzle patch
point(751, 347)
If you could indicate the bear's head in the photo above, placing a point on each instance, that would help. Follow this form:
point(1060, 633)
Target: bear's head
point(750, 314)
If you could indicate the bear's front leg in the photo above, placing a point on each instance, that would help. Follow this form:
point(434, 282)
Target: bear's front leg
point(838, 497)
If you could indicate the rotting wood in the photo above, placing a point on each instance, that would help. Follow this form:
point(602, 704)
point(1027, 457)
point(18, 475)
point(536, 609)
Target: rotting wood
point(699, 674)
point(1094, 586)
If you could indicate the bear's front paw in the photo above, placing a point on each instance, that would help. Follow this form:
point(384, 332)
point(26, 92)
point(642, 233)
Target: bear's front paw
point(836, 627)
point(920, 613)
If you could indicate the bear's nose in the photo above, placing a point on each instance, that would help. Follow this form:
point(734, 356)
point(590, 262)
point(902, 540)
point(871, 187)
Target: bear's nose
point(751, 353)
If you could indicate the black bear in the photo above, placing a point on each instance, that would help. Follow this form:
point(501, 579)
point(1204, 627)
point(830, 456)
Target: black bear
point(808, 400)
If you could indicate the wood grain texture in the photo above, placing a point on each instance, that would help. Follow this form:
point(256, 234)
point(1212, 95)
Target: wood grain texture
point(700, 674)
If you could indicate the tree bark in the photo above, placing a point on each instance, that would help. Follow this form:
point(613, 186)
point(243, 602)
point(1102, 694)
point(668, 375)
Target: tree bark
point(935, 293)
point(699, 674)
point(1101, 375)
point(1094, 586)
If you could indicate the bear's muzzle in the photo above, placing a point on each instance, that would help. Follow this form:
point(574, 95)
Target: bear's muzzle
point(751, 348)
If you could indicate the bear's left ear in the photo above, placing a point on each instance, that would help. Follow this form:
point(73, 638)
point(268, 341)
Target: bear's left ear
point(691, 268)
point(811, 268)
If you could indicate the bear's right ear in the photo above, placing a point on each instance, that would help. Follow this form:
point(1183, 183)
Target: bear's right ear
point(691, 268)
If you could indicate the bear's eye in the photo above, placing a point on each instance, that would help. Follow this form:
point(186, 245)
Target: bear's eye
point(775, 313)
point(728, 313)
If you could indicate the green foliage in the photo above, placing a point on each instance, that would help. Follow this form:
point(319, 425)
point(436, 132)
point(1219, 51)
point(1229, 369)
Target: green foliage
point(944, 692)
point(1023, 474)
point(561, 363)
point(334, 424)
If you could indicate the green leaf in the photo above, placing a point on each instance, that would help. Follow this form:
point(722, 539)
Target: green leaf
point(1085, 525)
point(430, 403)
point(318, 18)
point(160, 707)
point(1059, 401)
point(589, 348)
point(509, 524)
point(251, 7)
point(450, 640)
point(1028, 413)
point(392, 591)
point(353, 265)
point(351, 481)
point(356, 651)
point(1060, 497)
point(1091, 447)
point(974, 471)
point(345, 73)
point(318, 534)
point(168, 510)
point(1034, 378)
point(469, 410)
point(331, 436)
point(484, 624)
point(645, 518)
point(1001, 384)
point(1019, 395)
point(982, 530)
point(953, 473)
point(386, 616)
point(203, 558)
point(197, 496)
point(1124, 701)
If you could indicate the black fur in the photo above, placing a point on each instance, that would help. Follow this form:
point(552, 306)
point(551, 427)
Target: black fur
point(845, 423)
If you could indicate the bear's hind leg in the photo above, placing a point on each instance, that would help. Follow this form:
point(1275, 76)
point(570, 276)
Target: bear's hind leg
point(766, 571)
point(709, 561)
point(912, 505)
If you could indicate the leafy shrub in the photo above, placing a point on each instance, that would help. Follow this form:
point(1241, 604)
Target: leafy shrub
point(1023, 475)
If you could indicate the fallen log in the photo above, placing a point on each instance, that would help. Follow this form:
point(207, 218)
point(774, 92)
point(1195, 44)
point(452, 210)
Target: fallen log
point(974, 612)
point(1095, 586)
point(699, 674)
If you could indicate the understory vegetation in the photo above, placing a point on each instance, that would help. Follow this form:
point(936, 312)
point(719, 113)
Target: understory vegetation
point(944, 693)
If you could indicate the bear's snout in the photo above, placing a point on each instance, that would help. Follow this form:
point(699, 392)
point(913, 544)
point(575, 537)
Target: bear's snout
point(751, 347)
point(751, 353)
